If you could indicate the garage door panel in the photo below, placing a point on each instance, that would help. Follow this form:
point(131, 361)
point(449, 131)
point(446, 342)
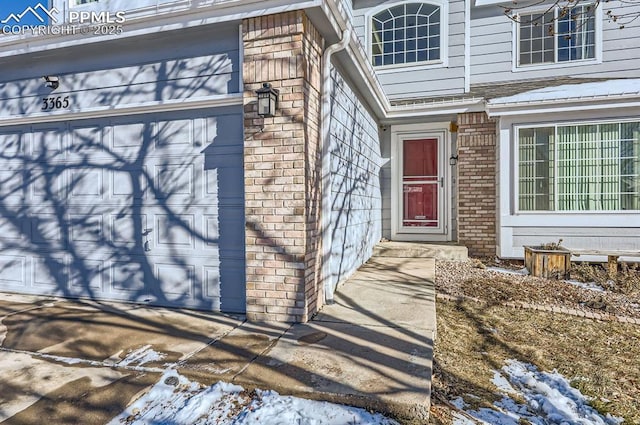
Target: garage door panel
point(130, 140)
point(12, 187)
point(211, 231)
point(50, 272)
point(12, 145)
point(13, 271)
point(175, 231)
point(13, 230)
point(176, 282)
point(46, 230)
point(86, 228)
point(86, 143)
point(127, 230)
point(47, 145)
point(128, 183)
point(175, 137)
point(127, 276)
point(174, 180)
point(88, 277)
point(87, 185)
point(45, 184)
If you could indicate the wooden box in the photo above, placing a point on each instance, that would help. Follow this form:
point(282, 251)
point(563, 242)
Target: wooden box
point(549, 263)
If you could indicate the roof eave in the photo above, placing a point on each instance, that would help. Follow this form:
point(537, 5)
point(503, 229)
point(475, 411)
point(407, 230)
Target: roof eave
point(562, 105)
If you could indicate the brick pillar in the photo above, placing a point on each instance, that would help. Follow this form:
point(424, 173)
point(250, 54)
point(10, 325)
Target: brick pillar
point(477, 183)
point(282, 167)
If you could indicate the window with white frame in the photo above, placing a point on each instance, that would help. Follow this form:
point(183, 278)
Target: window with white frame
point(559, 35)
point(405, 34)
point(586, 167)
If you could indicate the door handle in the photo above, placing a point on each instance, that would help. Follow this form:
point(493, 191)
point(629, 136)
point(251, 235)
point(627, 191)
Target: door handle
point(441, 180)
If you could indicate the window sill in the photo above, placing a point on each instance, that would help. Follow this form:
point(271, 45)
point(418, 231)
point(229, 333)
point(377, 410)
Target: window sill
point(414, 66)
point(556, 65)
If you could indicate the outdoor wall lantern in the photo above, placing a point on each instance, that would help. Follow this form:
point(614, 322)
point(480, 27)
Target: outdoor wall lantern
point(53, 82)
point(453, 159)
point(267, 100)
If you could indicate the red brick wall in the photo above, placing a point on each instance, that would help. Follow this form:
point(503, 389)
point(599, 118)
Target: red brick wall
point(477, 183)
point(282, 164)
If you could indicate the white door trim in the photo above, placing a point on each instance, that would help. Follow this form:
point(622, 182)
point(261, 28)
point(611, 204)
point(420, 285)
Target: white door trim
point(399, 133)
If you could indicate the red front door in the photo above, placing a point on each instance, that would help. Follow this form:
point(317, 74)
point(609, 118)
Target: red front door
point(420, 183)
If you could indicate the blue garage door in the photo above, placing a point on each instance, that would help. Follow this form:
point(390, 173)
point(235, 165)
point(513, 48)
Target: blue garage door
point(146, 209)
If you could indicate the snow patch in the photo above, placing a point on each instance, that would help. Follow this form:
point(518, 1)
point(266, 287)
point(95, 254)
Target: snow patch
point(141, 356)
point(548, 399)
point(176, 400)
point(520, 272)
point(592, 286)
point(620, 87)
point(502, 383)
point(67, 360)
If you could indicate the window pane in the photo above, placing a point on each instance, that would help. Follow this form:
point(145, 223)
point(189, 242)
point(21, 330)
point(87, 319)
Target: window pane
point(412, 8)
point(576, 33)
point(536, 38)
point(411, 45)
point(535, 169)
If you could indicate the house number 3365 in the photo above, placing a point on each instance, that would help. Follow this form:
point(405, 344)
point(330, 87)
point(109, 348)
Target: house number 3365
point(51, 103)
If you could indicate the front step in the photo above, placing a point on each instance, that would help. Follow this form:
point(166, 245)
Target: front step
point(421, 250)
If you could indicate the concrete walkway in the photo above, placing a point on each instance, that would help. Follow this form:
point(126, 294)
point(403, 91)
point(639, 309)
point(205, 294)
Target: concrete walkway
point(371, 348)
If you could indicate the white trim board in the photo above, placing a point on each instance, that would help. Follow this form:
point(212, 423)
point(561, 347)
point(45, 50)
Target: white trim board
point(134, 109)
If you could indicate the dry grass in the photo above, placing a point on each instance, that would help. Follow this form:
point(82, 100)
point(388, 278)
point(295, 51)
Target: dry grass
point(626, 282)
point(599, 358)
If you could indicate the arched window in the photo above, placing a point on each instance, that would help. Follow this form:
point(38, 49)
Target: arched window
point(406, 33)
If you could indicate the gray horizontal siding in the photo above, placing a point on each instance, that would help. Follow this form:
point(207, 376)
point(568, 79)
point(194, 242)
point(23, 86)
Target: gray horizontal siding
point(492, 56)
point(412, 82)
point(160, 68)
point(579, 237)
point(356, 205)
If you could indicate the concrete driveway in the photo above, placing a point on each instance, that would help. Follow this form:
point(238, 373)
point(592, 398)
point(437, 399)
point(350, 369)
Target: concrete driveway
point(84, 362)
